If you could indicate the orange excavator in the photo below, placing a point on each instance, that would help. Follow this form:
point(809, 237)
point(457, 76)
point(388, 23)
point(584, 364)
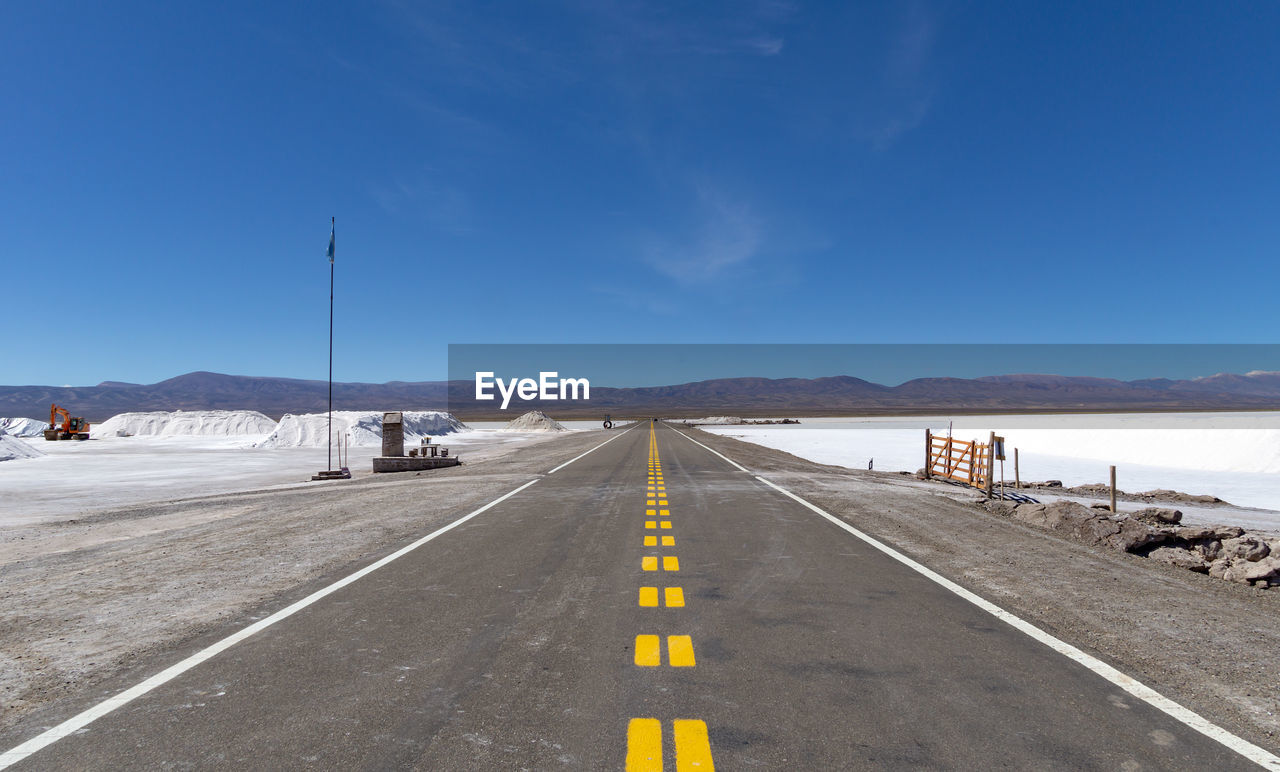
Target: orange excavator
point(71, 428)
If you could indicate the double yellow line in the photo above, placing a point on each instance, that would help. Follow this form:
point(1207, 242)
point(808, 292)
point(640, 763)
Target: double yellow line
point(644, 735)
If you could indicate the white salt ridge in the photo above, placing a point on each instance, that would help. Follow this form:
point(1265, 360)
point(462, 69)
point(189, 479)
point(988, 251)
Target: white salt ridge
point(12, 448)
point(362, 428)
point(185, 423)
point(23, 427)
point(727, 420)
point(533, 421)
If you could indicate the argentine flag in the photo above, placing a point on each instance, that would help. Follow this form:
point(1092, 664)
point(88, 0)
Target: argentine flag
point(331, 227)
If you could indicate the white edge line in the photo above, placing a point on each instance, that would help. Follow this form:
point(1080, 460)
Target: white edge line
point(1253, 753)
point(593, 450)
point(81, 720)
point(718, 453)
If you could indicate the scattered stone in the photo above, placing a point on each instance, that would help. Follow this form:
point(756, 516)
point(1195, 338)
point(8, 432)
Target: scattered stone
point(1163, 494)
point(1221, 551)
point(1100, 505)
point(1158, 515)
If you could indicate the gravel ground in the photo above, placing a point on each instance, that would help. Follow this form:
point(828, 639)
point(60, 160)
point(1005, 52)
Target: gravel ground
point(89, 599)
point(1210, 645)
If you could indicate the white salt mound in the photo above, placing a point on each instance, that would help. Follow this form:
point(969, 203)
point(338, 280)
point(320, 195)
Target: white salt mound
point(362, 428)
point(13, 448)
point(23, 427)
point(721, 419)
point(185, 423)
point(533, 421)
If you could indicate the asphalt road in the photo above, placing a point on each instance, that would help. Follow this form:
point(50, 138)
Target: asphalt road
point(523, 639)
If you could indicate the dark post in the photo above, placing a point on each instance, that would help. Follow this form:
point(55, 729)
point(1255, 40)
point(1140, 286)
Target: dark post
point(332, 226)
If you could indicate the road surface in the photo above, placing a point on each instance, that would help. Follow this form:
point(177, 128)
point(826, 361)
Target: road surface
point(649, 605)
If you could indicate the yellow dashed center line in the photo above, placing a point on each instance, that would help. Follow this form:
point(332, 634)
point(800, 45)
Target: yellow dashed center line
point(644, 735)
point(644, 745)
point(693, 749)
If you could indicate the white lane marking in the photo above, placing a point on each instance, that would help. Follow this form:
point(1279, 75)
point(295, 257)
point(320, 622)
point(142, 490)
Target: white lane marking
point(601, 445)
point(78, 722)
point(1131, 685)
point(718, 453)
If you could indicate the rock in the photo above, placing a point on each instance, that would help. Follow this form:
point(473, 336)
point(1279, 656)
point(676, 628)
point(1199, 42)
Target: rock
point(1211, 549)
point(1249, 548)
point(1100, 505)
point(1226, 531)
point(1158, 515)
point(1046, 484)
point(1195, 532)
point(1262, 569)
point(1001, 507)
point(1163, 494)
point(1181, 558)
point(1133, 535)
point(1030, 513)
point(1098, 530)
point(1219, 567)
point(1066, 513)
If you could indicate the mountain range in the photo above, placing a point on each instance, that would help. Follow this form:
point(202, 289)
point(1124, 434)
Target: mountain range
point(735, 396)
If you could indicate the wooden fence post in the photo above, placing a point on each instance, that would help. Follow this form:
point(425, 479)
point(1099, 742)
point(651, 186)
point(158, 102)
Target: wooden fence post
point(1017, 478)
point(1113, 490)
point(928, 453)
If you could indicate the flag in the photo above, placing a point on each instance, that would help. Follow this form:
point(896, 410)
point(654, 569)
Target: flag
point(331, 240)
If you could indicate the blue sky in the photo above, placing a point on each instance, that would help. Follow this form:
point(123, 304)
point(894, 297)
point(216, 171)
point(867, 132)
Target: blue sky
point(607, 172)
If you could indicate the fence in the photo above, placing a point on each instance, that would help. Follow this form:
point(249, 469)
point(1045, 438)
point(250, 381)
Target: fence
point(966, 462)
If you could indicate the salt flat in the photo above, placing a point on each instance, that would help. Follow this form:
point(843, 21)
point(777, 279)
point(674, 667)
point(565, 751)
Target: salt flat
point(1234, 456)
point(77, 478)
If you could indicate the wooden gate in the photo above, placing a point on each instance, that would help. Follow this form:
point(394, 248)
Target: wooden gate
point(965, 462)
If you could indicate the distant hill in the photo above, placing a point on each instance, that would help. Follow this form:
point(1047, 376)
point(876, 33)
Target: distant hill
point(736, 396)
point(215, 391)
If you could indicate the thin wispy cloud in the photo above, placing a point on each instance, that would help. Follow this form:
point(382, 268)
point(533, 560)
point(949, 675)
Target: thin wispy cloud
point(727, 236)
point(441, 206)
point(908, 75)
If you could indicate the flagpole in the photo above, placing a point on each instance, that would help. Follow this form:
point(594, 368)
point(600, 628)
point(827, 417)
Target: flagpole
point(332, 222)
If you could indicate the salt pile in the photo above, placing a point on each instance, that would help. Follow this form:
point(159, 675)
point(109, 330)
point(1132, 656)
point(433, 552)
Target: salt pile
point(363, 429)
point(533, 421)
point(23, 427)
point(185, 423)
point(13, 448)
